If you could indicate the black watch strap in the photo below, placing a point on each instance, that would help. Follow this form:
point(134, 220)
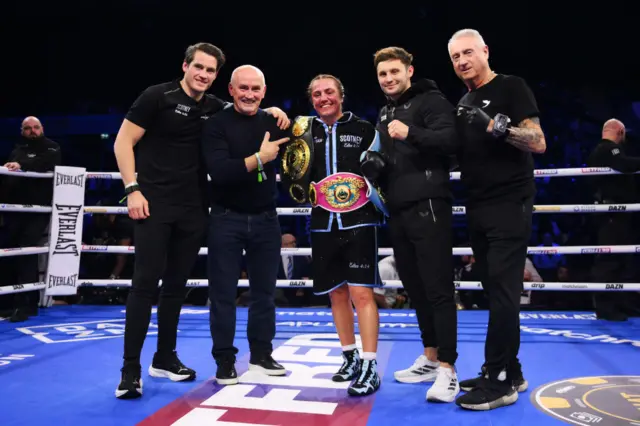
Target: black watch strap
point(131, 188)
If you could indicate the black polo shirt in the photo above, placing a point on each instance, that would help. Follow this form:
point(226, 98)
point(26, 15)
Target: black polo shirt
point(168, 157)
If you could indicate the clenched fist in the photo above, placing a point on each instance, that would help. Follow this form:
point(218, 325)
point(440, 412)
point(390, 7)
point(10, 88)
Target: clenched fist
point(398, 130)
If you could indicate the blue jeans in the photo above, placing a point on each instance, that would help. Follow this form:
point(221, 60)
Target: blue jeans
point(229, 234)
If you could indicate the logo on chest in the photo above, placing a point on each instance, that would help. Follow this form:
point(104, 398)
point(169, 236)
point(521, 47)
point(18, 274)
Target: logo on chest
point(183, 110)
point(350, 141)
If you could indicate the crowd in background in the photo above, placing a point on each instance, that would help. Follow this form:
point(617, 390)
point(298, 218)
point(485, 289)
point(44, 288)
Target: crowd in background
point(572, 123)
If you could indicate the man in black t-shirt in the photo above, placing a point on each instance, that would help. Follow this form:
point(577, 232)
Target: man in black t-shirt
point(239, 154)
point(167, 199)
point(616, 228)
point(499, 127)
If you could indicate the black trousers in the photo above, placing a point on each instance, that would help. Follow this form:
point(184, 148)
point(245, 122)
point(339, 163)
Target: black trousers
point(422, 240)
point(614, 229)
point(23, 230)
point(259, 235)
point(166, 248)
point(500, 233)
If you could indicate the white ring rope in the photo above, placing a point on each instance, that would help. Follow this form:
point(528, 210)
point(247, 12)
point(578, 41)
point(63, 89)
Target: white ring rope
point(538, 173)
point(460, 285)
point(383, 251)
point(304, 211)
point(387, 251)
point(458, 251)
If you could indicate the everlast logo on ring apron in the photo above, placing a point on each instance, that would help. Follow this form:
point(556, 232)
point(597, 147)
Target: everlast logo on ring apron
point(67, 230)
point(297, 160)
point(65, 244)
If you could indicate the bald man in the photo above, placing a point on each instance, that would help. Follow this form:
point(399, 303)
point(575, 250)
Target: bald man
point(615, 228)
point(35, 153)
point(240, 144)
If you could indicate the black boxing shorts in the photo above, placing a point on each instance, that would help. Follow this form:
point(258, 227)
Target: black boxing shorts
point(345, 257)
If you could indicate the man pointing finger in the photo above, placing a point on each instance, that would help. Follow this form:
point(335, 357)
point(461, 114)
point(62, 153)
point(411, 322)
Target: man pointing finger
point(240, 145)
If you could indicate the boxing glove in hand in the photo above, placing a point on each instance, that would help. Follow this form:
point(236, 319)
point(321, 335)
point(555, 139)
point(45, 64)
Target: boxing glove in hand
point(479, 118)
point(372, 165)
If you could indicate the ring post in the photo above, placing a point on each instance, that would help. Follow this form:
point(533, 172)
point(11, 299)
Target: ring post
point(66, 231)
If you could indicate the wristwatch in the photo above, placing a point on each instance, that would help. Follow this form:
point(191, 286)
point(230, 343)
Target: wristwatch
point(131, 188)
point(500, 125)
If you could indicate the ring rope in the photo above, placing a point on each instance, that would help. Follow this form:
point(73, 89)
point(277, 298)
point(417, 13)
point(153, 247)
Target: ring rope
point(460, 285)
point(304, 211)
point(382, 251)
point(459, 251)
point(538, 173)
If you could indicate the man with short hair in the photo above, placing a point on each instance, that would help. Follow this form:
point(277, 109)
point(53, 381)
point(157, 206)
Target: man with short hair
point(418, 139)
point(239, 154)
point(167, 199)
point(499, 127)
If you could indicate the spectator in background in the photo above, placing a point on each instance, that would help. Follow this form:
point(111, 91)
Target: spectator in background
point(547, 264)
point(615, 228)
point(386, 297)
point(470, 299)
point(293, 267)
point(35, 153)
point(107, 230)
point(530, 275)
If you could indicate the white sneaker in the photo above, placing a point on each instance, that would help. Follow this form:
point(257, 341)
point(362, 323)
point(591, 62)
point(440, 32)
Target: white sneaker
point(422, 370)
point(446, 386)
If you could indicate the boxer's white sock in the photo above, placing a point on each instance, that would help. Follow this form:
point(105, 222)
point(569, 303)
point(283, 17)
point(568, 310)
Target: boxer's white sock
point(369, 355)
point(349, 348)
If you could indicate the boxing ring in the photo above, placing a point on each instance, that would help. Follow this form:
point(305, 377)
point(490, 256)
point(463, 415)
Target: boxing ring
point(63, 365)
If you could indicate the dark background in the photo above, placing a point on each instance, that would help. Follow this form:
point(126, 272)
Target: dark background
point(79, 65)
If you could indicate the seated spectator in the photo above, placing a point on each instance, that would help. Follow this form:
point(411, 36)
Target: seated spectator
point(389, 298)
point(547, 264)
point(530, 275)
point(294, 267)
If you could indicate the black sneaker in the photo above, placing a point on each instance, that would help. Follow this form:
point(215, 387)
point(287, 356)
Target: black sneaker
point(226, 373)
point(350, 367)
point(488, 395)
point(267, 365)
point(130, 386)
point(368, 381)
point(171, 367)
point(519, 382)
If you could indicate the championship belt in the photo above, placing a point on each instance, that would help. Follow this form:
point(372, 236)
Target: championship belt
point(297, 160)
point(375, 193)
point(339, 193)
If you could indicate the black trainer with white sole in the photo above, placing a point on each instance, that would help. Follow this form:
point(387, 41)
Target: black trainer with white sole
point(130, 386)
point(267, 365)
point(226, 373)
point(171, 367)
point(488, 396)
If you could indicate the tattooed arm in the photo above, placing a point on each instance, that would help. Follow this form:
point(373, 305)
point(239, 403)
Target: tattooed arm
point(527, 136)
